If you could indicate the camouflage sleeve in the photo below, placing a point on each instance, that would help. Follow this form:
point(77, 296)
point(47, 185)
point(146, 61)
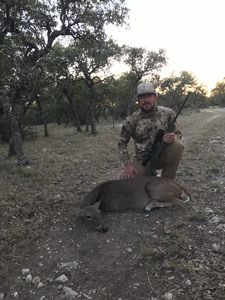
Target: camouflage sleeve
point(177, 129)
point(125, 136)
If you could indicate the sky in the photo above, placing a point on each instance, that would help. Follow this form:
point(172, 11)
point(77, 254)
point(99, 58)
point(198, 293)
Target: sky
point(192, 32)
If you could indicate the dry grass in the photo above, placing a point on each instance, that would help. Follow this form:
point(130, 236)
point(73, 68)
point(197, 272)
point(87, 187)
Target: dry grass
point(68, 164)
point(63, 167)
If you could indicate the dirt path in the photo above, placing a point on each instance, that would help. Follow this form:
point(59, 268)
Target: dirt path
point(198, 123)
point(174, 254)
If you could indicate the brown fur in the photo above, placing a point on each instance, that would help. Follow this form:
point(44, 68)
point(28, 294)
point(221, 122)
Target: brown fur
point(141, 192)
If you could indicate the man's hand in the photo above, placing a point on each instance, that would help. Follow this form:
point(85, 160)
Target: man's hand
point(169, 137)
point(128, 172)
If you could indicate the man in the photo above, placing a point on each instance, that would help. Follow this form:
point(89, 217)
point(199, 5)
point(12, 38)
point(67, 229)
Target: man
point(143, 126)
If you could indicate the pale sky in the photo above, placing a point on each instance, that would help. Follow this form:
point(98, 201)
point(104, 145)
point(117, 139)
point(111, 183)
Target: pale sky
point(192, 32)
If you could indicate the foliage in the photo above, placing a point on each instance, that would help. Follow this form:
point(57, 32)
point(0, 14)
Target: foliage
point(175, 88)
point(143, 62)
point(218, 94)
point(28, 31)
point(55, 60)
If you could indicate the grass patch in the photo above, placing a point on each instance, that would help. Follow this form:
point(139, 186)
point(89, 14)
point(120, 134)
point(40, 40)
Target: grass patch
point(152, 254)
point(66, 165)
point(198, 217)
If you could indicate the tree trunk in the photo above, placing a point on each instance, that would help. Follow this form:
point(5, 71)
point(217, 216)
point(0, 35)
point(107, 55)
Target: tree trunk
point(113, 118)
point(15, 141)
point(129, 107)
point(74, 112)
point(92, 121)
point(131, 104)
point(46, 129)
point(92, 111)
point(133, 97)
point(104, 114)
point(43, 120)
point(5, 129)
point(96, 117)
point(87, 121)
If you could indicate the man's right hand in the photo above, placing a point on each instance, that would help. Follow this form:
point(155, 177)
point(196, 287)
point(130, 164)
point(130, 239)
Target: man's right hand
point(128, 172)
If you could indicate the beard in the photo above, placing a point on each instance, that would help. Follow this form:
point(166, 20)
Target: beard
point(147, 107)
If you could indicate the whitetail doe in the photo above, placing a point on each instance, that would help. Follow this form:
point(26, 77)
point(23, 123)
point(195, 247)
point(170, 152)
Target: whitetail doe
point(141, 192)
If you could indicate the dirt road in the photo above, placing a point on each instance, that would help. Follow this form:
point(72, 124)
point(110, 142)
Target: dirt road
point(173, 254)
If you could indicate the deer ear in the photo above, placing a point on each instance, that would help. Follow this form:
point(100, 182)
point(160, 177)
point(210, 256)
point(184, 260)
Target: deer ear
point(97, 204)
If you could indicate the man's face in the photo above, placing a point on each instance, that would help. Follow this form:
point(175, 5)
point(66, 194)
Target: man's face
point(147, 101)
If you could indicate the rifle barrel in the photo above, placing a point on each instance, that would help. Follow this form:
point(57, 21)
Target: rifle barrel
point(180, 109)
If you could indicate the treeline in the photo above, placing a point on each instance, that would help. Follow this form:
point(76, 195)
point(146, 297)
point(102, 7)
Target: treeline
point(55, 61)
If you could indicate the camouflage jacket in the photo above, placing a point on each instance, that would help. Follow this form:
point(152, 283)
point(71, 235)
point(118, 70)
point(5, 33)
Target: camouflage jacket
point(143, 127)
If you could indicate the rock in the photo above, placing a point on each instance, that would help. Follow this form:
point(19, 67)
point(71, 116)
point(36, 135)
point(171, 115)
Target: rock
point(25, 271)
point(214, 220)
point(62, 278)
point(168, 296)
point(69, 293)
point(36, 280)
point(167, 230)
point(60, 287)
point(29, 278)
point(42, 298)
point(73, 265)
point(15, 294)
point(40, 284)
point(215, 247)
point(40, 264)
point(155, 236)
point(137, 284)
point(188, 282)
point(171, 278)
point(221, 226)
point(2, 296)
point(208, 210)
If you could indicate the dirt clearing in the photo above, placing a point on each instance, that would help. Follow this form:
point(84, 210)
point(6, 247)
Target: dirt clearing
point(175, 253)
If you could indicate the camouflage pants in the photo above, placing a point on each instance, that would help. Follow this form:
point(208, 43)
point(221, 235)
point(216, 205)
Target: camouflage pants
point(169, 161)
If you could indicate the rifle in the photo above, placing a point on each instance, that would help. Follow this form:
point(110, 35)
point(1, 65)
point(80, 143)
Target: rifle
point(159, 146)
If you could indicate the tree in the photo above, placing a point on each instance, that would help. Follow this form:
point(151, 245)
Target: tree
point(91, 60)
point(120, 92)
point(173, 89)
point(15, 143)
point(218, 94)
point(28, 29)
point(142, 63)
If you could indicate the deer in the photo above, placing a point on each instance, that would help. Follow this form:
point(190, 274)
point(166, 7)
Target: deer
point(137, 193)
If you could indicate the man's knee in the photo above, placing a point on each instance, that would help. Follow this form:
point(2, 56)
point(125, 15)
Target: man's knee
point(176, 147)
point(172, 153)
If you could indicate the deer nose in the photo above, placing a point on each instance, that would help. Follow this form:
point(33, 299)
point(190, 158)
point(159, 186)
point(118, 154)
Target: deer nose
point(103, 228)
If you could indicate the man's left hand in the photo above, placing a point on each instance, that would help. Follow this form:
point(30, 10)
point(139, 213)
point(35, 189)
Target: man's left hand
point(169, 137)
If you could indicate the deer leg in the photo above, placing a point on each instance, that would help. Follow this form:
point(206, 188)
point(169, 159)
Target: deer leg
point(161, 204)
